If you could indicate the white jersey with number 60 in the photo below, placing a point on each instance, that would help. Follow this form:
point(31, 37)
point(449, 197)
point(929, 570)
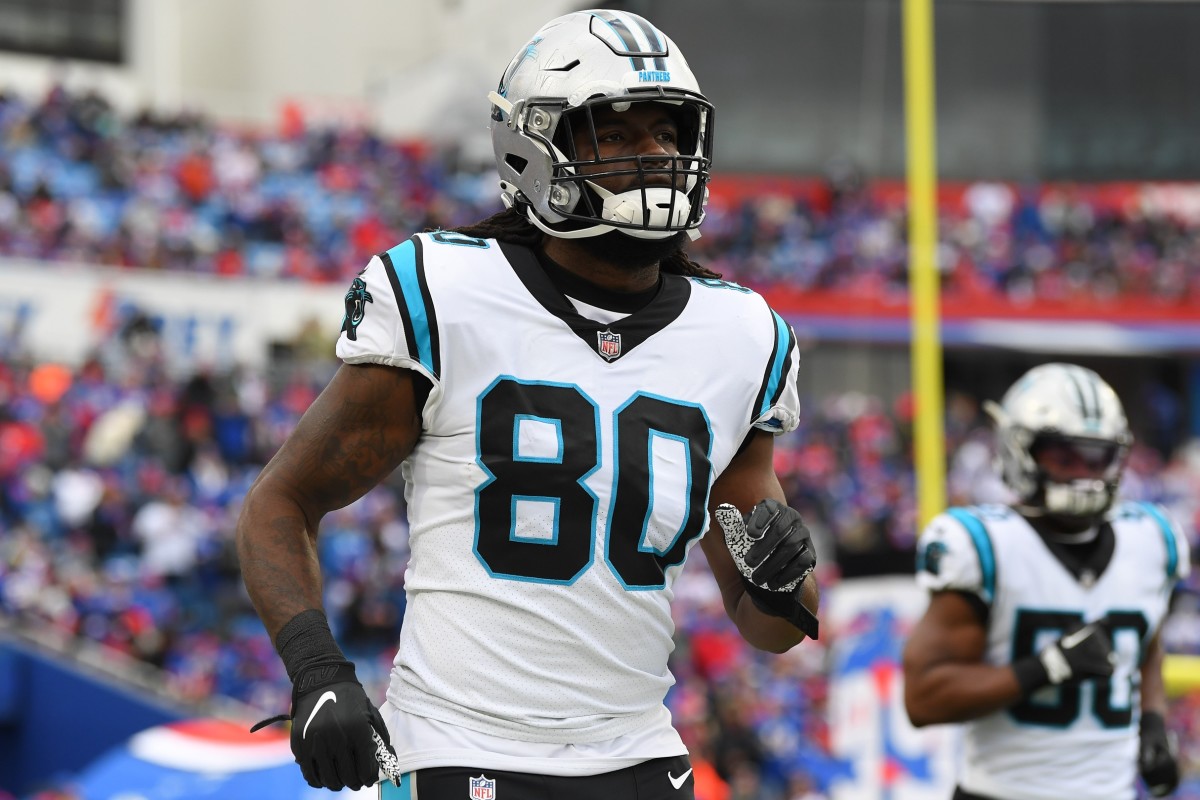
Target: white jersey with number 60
point(1077, 739)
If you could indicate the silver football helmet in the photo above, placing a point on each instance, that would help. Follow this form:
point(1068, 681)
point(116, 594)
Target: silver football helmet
point(571, 65)
point(1070, 408)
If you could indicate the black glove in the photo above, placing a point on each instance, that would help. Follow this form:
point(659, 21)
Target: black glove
point(773, 550)
point(1081, 654)
point(1157, 755)
point(338, 736)
point(336, 729)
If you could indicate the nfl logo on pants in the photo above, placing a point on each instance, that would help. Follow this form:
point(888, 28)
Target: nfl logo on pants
point(483, 788)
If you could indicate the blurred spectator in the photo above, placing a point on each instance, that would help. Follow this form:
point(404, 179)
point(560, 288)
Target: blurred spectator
point(78, 182)
point(169, 531)
point(119, 484)
point(132, 550)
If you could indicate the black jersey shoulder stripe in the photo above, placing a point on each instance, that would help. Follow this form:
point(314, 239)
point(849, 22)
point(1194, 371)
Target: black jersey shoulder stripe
point(398, 292)
point(788, 362)
point(405, 267)
point(778, 367)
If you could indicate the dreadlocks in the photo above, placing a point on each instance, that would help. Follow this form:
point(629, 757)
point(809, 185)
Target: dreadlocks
point(505, 226)
point(511, 227)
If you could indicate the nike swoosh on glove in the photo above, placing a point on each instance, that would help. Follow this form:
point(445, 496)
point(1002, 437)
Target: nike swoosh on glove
point(773, 551)
point(338, 736)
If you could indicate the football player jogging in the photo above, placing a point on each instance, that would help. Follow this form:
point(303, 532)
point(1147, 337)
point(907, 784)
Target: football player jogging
point(1042, 630)
point(569, 398)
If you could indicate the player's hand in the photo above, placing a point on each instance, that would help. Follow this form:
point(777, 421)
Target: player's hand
point(773, 550)
point(338, 736)
point(1157, 755)
point(1080, 654)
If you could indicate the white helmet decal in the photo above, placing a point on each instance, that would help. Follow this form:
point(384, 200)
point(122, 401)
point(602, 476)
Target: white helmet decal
point(571, 65)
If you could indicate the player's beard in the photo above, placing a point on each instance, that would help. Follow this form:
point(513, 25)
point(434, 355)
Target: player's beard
point(1071, 523)
point(629, 252)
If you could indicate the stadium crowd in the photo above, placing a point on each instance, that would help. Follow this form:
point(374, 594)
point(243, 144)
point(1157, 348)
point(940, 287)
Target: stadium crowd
point(120, 483)
point(81, 182)
point(119, 487)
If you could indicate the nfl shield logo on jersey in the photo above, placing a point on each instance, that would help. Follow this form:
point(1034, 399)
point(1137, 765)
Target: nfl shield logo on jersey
point(608, 344)
point(483, 788)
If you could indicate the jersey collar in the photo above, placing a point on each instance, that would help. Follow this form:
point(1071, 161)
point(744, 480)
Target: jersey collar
point(609, 341)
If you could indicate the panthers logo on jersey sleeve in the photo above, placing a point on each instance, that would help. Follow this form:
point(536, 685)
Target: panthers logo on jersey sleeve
point(390, 318)
point(952, 555)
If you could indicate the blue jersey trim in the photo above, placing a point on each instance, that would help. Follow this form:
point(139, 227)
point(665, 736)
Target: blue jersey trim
point(779, 364)
point(983, 547)
point(1168, 536)
point(415, 301)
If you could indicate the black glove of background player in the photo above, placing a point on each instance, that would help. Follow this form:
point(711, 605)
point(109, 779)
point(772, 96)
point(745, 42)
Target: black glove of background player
point(1157, 755)
point(1080, 654)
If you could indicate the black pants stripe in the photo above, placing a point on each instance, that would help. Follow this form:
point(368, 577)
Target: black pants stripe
point(657, 779)
point(960, 794)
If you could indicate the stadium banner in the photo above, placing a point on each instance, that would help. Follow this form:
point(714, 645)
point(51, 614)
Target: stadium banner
point(64, 312)
point(880, 755)
point(58, 713)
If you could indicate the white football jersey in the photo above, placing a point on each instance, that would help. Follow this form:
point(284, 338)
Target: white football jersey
point(1075, 740)
point(561, 478)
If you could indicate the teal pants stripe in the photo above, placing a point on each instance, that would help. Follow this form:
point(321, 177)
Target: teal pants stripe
point(390, 791)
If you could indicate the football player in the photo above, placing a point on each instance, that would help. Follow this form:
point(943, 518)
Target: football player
point(1042, 630)
point(569, 396)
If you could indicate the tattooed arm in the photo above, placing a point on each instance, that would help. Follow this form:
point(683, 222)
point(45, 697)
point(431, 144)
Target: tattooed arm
point(360, 428)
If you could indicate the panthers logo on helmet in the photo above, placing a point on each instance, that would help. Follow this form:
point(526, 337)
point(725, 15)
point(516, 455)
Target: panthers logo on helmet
point(528, 54)
point(356, 308)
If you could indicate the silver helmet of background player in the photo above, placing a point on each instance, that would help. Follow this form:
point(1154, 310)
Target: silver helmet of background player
point(1061, 405)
